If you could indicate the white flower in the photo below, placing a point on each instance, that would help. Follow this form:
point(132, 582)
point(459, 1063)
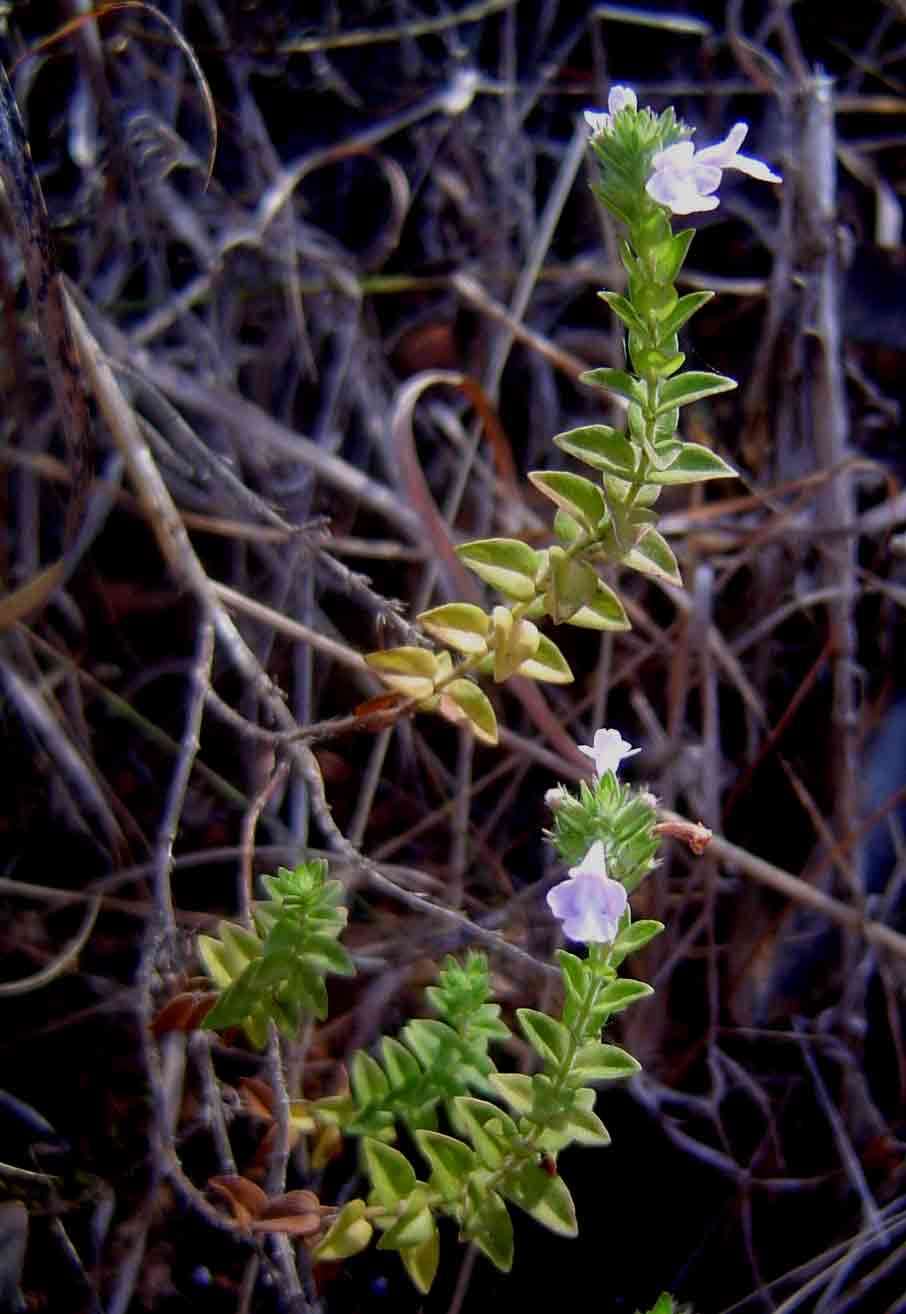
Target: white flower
point(685, 179)
point(608, 750)
point(620, 98)
point(589, 904)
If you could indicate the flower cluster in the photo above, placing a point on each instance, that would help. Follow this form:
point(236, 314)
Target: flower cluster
point(680, 177)
point(591, 903)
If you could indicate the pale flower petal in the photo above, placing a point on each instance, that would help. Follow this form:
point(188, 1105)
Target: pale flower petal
point(589, 904)
point(620, 98)
point(608, 750)
point(685, 179)
point(598, 121)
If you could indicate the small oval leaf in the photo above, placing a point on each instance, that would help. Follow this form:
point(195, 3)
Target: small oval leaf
point(691, 386)
point(460, 625)
point(578, 497)
point(601, 447)
point(504, 563)
point(693, 464)
point(548, 664)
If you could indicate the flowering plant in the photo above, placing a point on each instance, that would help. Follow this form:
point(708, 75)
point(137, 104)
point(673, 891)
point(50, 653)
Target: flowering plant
point(649, 171)
point(489, 1157)
point(502, 1131)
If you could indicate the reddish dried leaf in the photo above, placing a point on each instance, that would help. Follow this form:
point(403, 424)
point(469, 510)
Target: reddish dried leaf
point(184, 1012)
point(245, 1198)
point(380, 708)
point(257, 1098)
point(300, 1225)
point(292, 1203)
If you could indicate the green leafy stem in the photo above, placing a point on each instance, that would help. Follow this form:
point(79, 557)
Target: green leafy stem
point(496, 1157)
point(275, 974)
point(610, 522)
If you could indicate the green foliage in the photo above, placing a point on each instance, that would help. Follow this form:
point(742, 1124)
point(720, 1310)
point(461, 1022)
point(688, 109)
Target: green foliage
point(490, 1158)
point(433, 1060)
point(617, 815)
point(275, 973)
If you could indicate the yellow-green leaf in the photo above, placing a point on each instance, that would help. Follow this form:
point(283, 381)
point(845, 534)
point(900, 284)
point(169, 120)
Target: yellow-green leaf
point(410, 670)
point(548, 664)
point(514, 642)
point(692, 464)
point(652, 555)
point(459, 624)
point(421, 1262)
point(572, 585)
point(504, 563)
point(350, 1234)
point(604, 612)
point(572, 493)
point(601, 447)
point(472, 704)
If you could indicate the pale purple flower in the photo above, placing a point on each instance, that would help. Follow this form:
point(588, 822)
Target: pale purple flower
point(608, 750)
point(685, 179)
point(589, 904)
point(620, 98)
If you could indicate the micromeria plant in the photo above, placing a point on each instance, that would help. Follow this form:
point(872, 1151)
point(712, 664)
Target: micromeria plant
point(490, 1139)
point(649, 171)
point(439, 1070)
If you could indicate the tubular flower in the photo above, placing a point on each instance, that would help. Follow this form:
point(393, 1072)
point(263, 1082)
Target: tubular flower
point(685, 179)
point(620, 98)
point(589, 904)
point(608, 750)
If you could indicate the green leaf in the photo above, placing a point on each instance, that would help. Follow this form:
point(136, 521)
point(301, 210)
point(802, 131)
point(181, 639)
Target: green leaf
point(601, 447)
point(634, 938)
point(586, 1128)
point(390, 1173)
point(489, 1225)
point(567, 530)
point(576, 973)
point(693, 464)
point(402, 1068)
point(212, 955)
point(604, 612)
point(669, 256)
point(597, 1062)
point(240, 946)
point(460, 625)
point(349, 1234)
point(411, 671)
point(547, 664)
point(625, 310)
point(578, 497)
point(653, 555)
point(516, 1088)
point(488, 1128)
point(571, 585)
point(450, 1160)
point(684, 309)
point(619, 995)
point(545, 1198)
point(324, 953)
point(414, 1228)
point(504, 563)
point(366, 1076)
point(514, 642)
point(427, 1039)
point(618, 381)
point(475, 706)
point(548, 1038)
point(421, 1262)
point(691, 386)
